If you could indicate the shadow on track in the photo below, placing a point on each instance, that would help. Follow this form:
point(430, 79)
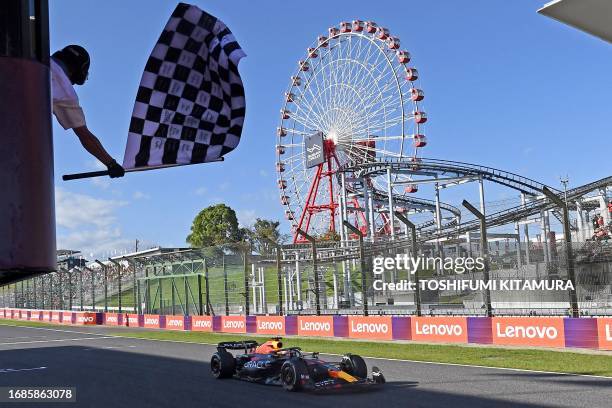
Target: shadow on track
point(114, 378)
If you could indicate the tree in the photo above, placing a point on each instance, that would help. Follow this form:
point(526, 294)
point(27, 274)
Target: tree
point(259, 231)
point(214, 225)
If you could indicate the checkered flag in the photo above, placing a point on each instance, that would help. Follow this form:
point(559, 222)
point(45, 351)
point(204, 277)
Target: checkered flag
point(190, 104)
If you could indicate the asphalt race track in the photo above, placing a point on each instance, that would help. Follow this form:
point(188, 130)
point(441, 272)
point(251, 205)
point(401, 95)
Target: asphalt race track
point(122, 372)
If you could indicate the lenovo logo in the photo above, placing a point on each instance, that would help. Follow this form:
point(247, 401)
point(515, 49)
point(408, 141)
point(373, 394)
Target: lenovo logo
point(439, 329)
point(269, 325)
point(233, 324)
point(174, 322)
point(373, 328)
point(151, 320)
point(527, 332)
point(315, 326)
point(202, 323)
point(608, 332)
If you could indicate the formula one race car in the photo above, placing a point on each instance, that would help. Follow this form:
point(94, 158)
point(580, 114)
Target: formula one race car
point(270, 363)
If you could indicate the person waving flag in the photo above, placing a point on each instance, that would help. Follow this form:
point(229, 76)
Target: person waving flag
point(190, 104)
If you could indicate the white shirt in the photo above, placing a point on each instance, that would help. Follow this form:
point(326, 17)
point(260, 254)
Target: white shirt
point(66, 106)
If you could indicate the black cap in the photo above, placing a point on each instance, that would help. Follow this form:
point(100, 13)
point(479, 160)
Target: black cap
point(76, 59)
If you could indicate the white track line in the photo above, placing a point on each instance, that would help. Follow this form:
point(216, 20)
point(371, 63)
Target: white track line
point(331, 354)
point(55, 340)
point(50, 329)
point(14, 370)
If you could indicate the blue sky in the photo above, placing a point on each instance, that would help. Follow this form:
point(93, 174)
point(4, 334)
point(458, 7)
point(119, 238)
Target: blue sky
point(505, 87)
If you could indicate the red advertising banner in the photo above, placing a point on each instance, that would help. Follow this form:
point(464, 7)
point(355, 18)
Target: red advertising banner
point(85, 318)
point(529, 331)
point(132, 320)
point(2, 313)
point(318, 326)
point(35, 315)
point(55, 317)
point(111, 319)
point(233, 324)
point(370, 327)
point(604, 330)
point(271, 325)
point(175, 322)
point(66, 317)
point(439, 329)
point(202, 323)
point(46, 316)
point(151, 321)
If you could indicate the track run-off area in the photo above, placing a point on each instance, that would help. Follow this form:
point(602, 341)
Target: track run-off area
point(111, 370)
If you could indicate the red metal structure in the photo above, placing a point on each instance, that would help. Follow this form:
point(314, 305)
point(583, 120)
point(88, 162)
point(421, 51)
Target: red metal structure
point(362, 119)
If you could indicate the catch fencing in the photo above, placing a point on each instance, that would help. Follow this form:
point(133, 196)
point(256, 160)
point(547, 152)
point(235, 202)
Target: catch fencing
point(234, 280)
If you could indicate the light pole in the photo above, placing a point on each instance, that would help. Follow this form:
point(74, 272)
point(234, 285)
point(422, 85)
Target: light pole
point(105, 274)
point(568, 248)
point(119, 289)
point(415, 253)
point(278, 272)
point(565, 182)
point(364, 288)
point(247, 308)
point(484, 250)
point(313, 242)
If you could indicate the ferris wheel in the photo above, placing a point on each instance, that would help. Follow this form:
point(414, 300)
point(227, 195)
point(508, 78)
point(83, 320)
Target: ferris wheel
point(353, 99)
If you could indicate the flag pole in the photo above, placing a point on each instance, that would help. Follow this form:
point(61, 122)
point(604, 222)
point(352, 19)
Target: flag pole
point(100, 173)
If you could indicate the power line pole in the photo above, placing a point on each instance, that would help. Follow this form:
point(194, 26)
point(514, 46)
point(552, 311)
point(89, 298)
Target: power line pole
point(565, 182)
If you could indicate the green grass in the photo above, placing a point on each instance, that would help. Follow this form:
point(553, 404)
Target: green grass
point(127, 299)
point(529, 359)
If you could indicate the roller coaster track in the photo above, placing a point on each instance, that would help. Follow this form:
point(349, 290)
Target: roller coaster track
point(413, 202)
point(525, 185)
point(448, 168)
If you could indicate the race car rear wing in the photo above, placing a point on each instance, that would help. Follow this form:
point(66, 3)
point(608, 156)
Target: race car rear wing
point(245, 345)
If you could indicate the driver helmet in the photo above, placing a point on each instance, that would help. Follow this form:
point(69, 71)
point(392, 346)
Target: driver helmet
point(269, 346)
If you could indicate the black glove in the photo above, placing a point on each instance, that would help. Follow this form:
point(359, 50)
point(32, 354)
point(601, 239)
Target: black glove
point(115, 170)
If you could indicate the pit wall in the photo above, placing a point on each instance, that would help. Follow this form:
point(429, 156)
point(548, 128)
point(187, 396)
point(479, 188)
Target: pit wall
point(552, 332)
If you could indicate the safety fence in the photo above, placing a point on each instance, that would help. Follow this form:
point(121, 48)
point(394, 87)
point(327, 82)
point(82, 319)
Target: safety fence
point(555, 332)
point(230, 280)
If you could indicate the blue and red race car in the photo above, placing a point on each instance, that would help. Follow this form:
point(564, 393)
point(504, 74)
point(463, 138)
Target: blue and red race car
point(270, 363)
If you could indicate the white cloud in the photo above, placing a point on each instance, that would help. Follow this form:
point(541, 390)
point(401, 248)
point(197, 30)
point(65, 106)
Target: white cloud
point(89, 224)
point(246, 217)
point(95, 164)
point(76, 210)
point(139, 195)
point(102, 182)
point(201, 191)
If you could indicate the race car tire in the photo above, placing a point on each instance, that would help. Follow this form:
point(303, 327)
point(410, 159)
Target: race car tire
point(354, 365)
point(222, 365)
point(293, 373)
